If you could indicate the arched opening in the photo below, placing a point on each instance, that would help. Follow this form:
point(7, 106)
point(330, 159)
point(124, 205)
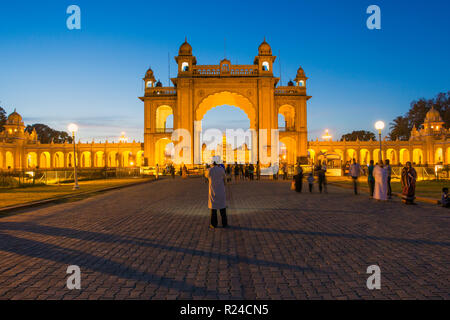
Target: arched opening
point(229, 99)
point(9, 163)
point(70, 160)
point(265, 66)
point(438, 156)
point(113, 159)
point(418, 157)
point(391, 155)
point(376, 156)
point(32, 161)
point(127, 159)
point(185, 66)
point(85, 160)
point(286, 113)
point(364, 157)
point(225, 121)
point(44, 160)
point(404, 156)
point(164, 118)
point(164, 152)
point(288, 150)
point(99, 159)
point(140, 158)
point(58, 159)
point(352, 154)
point(340, 153)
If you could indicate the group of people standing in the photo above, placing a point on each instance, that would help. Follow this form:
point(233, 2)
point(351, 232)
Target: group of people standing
point(319, 170)
point(379, 180)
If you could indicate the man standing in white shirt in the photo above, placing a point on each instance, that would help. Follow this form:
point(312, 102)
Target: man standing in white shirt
point(355, 172)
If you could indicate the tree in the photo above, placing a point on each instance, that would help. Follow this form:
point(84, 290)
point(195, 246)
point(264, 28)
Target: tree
point(417, 113)
point(47, 134)
point(2, 118)
point(400, 129)
point(361, 135)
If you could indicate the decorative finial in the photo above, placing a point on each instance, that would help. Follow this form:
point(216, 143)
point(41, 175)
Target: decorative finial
point(185, 39)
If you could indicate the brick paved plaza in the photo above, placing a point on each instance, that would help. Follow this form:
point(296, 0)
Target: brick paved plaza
point(152, 241)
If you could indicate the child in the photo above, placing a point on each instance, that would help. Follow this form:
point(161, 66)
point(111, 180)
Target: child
point(310, 181)
point(445, 200)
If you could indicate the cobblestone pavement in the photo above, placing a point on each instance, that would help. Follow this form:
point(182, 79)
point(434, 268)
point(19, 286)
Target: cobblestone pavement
point(152, 241)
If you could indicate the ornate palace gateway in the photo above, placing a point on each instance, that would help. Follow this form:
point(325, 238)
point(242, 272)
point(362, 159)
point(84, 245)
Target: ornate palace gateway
point(197, 89)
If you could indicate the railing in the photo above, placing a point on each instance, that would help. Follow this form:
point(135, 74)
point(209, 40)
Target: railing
point(215, 71)
point(290, 90)
point(164, 130)
point(163, 91)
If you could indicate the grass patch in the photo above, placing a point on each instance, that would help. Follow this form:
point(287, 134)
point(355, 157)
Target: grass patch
point(30, 193)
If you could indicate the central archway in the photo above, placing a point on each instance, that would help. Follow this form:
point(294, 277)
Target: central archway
point(226, 98)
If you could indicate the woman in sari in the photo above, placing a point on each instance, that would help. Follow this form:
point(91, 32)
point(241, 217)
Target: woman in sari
point(409, 177)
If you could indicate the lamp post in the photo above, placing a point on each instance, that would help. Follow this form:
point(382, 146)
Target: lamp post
point(73, 128)
point(379, 125)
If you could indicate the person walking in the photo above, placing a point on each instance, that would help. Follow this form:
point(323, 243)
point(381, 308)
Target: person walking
point(380, 175)
point(389, 174)
point(275, 169)
point(298, 178)
point(321, 177)
point(251, 170)
point(409, 177)
point(311, 182)
point(258, 170)
point(184, 171)
point(370, 178)
point(285, 171)
point(228, 172)
point(236, 172)
point(355, 172)
point(157, 171)
point(216, 195)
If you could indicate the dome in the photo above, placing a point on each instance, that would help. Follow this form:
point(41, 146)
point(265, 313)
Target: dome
point(14, 118)
point(264, 49)
point(185, 49)
point(433, 115)
point(149, 73)
point(300, 73)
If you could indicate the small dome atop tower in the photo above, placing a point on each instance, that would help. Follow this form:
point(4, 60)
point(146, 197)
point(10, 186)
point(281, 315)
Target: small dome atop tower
point(264, 49)
point(149, 73)
point(433, 115)
point(300, 73)
point(185, 49)
point(14, 118)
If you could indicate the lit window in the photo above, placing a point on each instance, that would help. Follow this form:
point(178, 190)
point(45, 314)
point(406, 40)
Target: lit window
point(184, 66)
point(265, 66)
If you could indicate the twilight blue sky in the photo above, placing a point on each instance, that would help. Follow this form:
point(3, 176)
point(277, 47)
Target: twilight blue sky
point(93, 76)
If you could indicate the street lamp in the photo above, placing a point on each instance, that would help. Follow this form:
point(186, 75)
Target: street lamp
point(379, 125)
point(74, 128)
point(326, 136)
